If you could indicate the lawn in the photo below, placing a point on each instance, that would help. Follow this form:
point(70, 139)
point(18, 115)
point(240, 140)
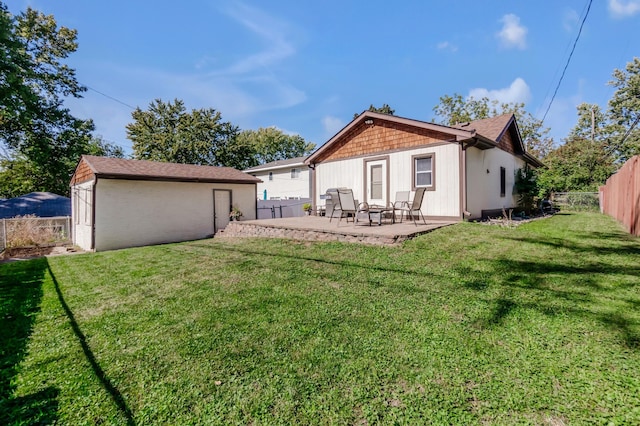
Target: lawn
point(470, 324)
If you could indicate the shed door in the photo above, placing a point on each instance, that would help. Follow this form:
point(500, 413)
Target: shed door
point(221, 208)
point(376, 182)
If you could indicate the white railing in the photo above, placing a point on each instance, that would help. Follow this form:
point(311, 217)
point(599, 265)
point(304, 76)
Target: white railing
point(30, 231)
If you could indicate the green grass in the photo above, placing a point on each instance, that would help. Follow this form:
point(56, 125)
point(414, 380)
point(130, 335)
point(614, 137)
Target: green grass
point(470, 324)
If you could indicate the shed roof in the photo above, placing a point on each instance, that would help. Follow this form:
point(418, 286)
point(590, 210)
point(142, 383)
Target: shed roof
point(41, 204)
point(120, 168)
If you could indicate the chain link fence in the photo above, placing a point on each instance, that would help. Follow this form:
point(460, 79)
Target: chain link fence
point(576, 201)
point(30, 231)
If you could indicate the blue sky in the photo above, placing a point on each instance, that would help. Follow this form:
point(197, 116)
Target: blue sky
point(307, 67)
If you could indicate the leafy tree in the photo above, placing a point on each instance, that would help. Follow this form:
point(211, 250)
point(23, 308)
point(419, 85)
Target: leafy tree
point(41, 141)
point(384, 109)
point(579, 165)
point(167, 132)
point(624, 111)
point(270, 144)
point(455, 109)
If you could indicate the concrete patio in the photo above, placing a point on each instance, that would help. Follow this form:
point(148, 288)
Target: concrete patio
point(318, 228)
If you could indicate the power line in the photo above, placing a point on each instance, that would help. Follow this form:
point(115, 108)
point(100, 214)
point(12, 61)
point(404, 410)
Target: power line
point(110, 97)
point(568, 61)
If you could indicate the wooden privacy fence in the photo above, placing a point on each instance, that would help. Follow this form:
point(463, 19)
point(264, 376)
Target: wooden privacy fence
point(620, 196)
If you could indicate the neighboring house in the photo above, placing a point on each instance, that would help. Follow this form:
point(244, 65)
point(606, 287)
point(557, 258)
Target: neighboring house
point(41, 204)
point(120, 203)
point(467, 170)
point(283, 179)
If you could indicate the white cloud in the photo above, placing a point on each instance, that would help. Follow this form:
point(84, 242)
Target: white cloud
point(624, 9)
point(512, 34)
point(332, 125)
point(445, 45)
point(272, 33)
point(518, 91)
point(570, 20)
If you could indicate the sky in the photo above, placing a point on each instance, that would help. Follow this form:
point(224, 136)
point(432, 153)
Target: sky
point(307, 67)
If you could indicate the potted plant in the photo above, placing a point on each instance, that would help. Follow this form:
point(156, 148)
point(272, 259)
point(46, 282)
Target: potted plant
point(307, 208)
point(235, 213)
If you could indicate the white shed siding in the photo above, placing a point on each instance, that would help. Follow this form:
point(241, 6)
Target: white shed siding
point(444, 201)
point(82, 214)
point(283, 186)
point(136, 213)
point(483, 180)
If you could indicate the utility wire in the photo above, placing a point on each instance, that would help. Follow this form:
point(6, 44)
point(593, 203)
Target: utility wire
point(568, 61)
point(110, 97)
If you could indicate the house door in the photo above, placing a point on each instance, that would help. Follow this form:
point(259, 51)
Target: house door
point(377, 185)
point(221, 208)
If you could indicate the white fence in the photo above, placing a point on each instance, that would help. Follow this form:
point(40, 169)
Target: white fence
point(22, 231)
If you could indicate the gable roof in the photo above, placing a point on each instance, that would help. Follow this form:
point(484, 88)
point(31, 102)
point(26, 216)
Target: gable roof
point(455, 133)
point(483, 134)
point(41, 204)
point(278, 164)
point(120, 168)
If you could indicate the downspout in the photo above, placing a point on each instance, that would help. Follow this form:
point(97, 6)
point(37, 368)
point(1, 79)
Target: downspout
point(312, 185)
point(93, 213)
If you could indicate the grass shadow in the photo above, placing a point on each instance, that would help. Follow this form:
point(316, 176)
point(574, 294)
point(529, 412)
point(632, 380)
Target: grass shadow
point(20, 298)
point(113, 392)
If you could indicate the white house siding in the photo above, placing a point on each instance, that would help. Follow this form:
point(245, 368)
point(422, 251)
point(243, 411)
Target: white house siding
point(136, 213)
point(443, 202)
point(282, 186)
point(483, 180)
point(82, 214)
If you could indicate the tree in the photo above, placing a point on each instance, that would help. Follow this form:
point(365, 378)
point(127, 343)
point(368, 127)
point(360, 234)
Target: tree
point(455, 109)
point(384, 109)
point(167, 132)
point(624, 111)
point(270, 144)
point(579, 165)
point(41, 141)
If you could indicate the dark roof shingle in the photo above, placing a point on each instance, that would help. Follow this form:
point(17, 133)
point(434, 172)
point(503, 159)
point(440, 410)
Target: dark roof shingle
point(152, 170)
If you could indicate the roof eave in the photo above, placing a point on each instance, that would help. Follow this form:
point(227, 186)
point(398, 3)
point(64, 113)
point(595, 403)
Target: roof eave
point(174, 178)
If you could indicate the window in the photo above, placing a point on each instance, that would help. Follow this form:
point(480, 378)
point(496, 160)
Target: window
point(295, 173)
point(376, 182)
point(503, 181)
point(270, 175)
point(423, 171)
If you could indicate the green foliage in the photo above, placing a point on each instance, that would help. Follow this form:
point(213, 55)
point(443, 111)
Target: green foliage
point(624, 111)
point(468, 324)
point(384, 109)
point(271, 144)
point(578, 165)
point(41, 140)
point(526, 185)
point(167, 132)
point(455, 109)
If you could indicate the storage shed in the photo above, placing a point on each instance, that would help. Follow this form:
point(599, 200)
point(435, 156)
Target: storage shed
point(118, 203)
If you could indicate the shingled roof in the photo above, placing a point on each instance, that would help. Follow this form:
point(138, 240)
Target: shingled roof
point(491, 128)
point(278, 164)
point(120, 168)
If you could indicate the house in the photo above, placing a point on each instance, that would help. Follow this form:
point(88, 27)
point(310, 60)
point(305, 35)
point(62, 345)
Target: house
point(468, 170)
point(118, 203)
point(41, 204)
point(283, 179)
